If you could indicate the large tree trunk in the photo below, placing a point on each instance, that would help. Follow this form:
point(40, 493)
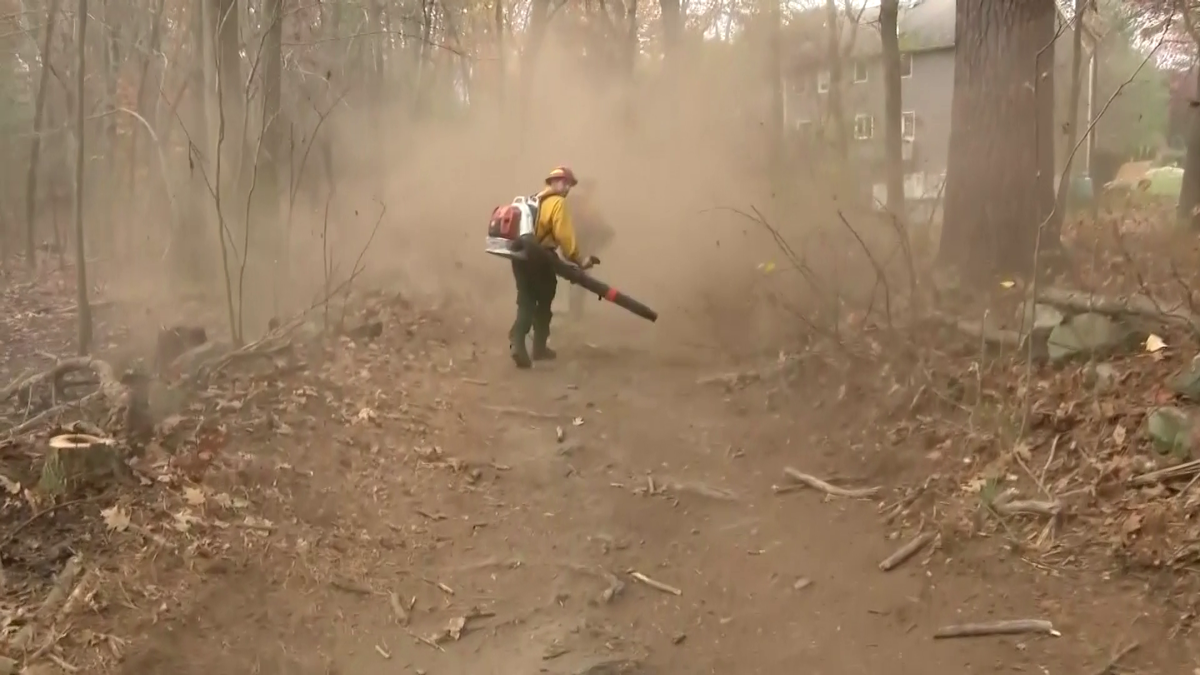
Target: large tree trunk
point(1189, 194)
point(889, 15)
point(83, 308)
point(35, 150)
point(1000, 184)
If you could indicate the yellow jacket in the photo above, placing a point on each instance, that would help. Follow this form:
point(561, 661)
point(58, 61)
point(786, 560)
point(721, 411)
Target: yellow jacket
point(554, 227)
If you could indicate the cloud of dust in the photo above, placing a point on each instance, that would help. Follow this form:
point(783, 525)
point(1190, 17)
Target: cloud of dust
point(668, 162)
point(664, 162)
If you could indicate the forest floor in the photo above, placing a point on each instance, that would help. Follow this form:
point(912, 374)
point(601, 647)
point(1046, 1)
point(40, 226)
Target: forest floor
point(413, 504)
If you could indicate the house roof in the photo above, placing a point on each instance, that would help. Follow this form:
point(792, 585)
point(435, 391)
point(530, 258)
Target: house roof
point(924, 25)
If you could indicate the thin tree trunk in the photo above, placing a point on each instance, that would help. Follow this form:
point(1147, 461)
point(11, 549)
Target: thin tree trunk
point(149, 71)
point(1052, 235)
point(889, 14)
point(35, 150)
point(775, 150)
point(999, 185)
point(273, 144)
point(501, 56)
point(539, 19)
point(81, 282)
point(836, 110)
point(1189, 193)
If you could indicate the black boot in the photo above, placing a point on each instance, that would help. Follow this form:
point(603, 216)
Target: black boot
point(541, 352)
point(516, 349)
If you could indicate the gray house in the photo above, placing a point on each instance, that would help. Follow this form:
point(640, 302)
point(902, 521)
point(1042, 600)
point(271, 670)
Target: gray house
point(926, 32)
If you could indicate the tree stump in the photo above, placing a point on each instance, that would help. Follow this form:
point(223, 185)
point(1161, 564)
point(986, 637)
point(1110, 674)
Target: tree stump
point(77, 461)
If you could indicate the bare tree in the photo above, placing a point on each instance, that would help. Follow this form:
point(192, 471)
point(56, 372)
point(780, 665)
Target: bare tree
point(889, 18)
point(837, 114)
point(81, 279)
point(1053, 233)
point(35, 150)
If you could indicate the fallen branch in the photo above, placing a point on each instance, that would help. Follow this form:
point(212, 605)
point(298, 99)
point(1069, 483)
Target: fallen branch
point(119, 397)
point(1028, 507)
point(274, 341)
point(64, 583)
point(1014, 627)
point(46, 415)
point(1185, 470)
point(523, 412)
point(906, 551)
point(818, 484)
point(657, 585)
point(982, 331)
point(1138, 304)
point(701, 489)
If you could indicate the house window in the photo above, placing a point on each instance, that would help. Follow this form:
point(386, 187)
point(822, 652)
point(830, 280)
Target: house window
point(823, 81)
point(908, 125)
point(864, 127)
point(905, 64)
point(860, 71)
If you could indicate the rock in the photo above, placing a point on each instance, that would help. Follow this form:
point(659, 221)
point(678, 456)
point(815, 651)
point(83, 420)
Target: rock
point(1088, 333)
point(1036, 317)
point(1186, 382)
point(1100, 376)
point(1171, 431)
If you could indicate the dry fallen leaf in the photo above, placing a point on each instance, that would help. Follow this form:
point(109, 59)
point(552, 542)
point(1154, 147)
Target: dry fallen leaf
point(10, 485)
point(1155, 344)
point(115, 518)
point(194, 496)
point(1119, 434)
point(184, 521)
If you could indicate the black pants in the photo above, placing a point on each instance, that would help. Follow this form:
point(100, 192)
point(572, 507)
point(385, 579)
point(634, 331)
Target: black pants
point(536, 286)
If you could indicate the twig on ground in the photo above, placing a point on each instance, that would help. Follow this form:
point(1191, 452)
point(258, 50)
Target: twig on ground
point(523, 412)
point(46, 415)
point(1013, 627)
point(657, 585)
point(818, 484)
point(45, 512)
point(1028, 507)
point(1170, 473)
point(1110, 667)
point(64, 583)
point(701, 489)
point(906, 551)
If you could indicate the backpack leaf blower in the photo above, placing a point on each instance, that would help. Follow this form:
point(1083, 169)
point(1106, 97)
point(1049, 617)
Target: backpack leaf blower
point(510, 235)
point(577, 276)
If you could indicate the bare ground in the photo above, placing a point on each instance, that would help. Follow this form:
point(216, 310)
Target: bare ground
point(447, 529)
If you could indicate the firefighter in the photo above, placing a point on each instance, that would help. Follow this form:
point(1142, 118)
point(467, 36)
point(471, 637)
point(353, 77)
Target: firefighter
point(536, 281)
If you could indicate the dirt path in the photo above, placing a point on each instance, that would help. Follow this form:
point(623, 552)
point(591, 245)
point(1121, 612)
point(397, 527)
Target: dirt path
point(524, 536)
